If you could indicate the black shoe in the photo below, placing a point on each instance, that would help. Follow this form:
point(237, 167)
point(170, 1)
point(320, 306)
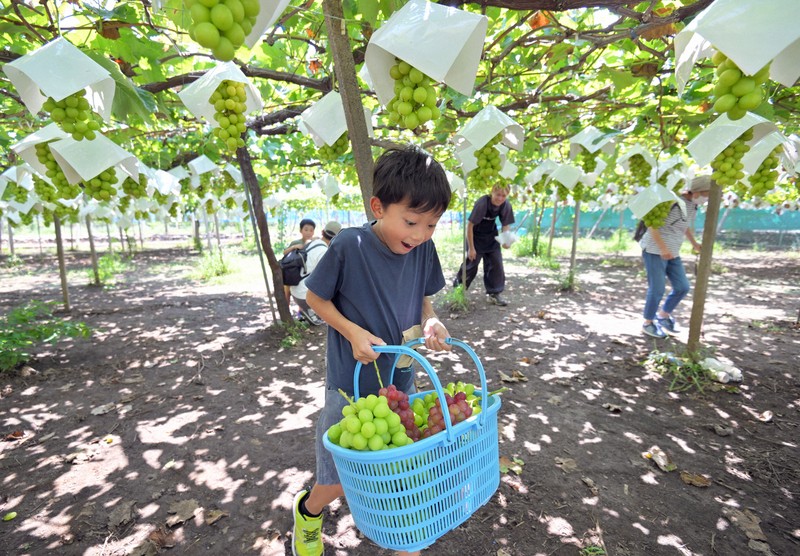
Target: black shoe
point(497, 299)
point(311, 317)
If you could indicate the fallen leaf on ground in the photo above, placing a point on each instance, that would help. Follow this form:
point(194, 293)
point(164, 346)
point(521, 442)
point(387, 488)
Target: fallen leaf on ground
point(590, 483)
point(182, 511)
point(613, 408)
point(722, 430)
point(102, 409)
point(508, 464)
point(502, 552)
point(162, 538)
point(765, 417)
point(747, 521)
point(566, 464)
point(661, 459)
point(215, 515)
point(695, 479)
point(516, 376)
point(16, 435)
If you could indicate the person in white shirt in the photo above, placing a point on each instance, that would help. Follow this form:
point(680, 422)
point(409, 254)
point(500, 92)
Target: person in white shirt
point(316, 249)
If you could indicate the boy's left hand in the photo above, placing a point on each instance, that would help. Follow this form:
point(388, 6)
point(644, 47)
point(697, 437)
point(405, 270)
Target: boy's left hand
point(435, 335)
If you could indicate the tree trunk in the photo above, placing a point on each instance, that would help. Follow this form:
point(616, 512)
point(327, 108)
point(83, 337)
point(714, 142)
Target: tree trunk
point(345, 69)
point(596, 224)
point(141, 237)
point(10, 239)
point(216, 232)
point(39, 233)
point(92, 251)
point(257, 206)
point(704, 270)
point(552, 229)
point(110, 241)
point(574, 252)
point(62, 265)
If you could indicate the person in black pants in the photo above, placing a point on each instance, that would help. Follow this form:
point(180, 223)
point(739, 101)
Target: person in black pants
point(482, 245)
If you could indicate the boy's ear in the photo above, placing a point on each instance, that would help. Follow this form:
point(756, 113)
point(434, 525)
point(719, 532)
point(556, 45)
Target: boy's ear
point(376, 206)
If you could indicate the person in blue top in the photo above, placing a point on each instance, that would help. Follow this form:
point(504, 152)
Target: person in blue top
point(373, 287)
point(482, 244)
point(661, 252)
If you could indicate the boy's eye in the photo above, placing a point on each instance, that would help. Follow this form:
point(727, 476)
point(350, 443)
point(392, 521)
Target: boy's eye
point(410, 223)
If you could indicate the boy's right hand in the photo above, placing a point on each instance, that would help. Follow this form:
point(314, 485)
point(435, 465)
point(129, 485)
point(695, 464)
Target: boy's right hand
point(362, 342)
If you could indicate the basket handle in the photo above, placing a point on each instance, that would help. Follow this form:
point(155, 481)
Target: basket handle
point(405, 349)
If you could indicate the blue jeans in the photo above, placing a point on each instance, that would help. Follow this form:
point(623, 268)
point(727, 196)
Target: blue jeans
point(658, 271)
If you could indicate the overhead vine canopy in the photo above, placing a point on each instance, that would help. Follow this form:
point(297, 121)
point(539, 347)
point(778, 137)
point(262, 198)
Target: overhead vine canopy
point(556, 67)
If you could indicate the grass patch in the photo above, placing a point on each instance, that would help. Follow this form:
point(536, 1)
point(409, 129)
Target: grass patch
point(30, 325)
point(456, 299)
point(683, 372)
point(109, 266)
point(293, 333)
point(212, 267)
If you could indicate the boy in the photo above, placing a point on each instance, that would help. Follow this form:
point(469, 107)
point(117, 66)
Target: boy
point(316, 249)
point(307, 227)
point(372, 287)
point(482, 245)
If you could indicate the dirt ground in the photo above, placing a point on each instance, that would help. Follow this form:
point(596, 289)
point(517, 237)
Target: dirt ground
point(183, 426)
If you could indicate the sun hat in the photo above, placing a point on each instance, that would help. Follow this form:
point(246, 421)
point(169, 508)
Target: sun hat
point(700, 184)
point(331, 229)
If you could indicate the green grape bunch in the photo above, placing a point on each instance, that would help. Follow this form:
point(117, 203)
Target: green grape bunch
point(124, 204)
point(561, 191)
point(134, 189)
point(101, 187)
point(736, 93)
point(657, 215)
point(329, 153)
point(588, 161)
point(74, 115)
point(727, 165)
point(46, 192)
point(53, 171)
point(221, 25)
point(640, 169)
point(414, 101)
point(229, 101)
point(488, 160)
point(763, 180)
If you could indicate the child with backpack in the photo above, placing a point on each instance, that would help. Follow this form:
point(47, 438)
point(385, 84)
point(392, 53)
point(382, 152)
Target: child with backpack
point(314, 251)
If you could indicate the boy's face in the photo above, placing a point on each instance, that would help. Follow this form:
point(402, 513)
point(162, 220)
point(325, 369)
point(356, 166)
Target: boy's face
point(499, 195)
point(400, 228)
point(307, 232)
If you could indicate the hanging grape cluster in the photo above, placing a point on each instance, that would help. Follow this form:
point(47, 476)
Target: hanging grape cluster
point(329, 153)
point(587, 160)
point(489, 164)
point(640, 170)
point(736, 93)
point(48, 194)
point(763, 180)
point(414, 101)
point(727, 165)
point(229, 101)
point(221, 25)
point(135, 189)
point(657, 215)
point(562, 192)
point(55, 173)
point(74, 115)
point(101, 187)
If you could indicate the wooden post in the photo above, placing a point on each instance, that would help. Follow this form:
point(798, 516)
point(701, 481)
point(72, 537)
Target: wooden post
point(62, 266)
point(552, 228)
point(704, 270)
point(574, 252)
point(92, 251)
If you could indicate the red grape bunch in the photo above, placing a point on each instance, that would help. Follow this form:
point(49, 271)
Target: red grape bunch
point(329, 153)
point(764, 178)
point(414, 101)
point(55, 173)
point(657, 215)
point(229, 101)
point(101, 187)
point(727, 165)
point(735, 92)
point(74, 115)
point(222, 25)
point(459, 410)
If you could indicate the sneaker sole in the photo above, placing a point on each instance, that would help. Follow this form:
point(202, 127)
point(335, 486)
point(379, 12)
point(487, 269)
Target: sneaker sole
point(654, 335)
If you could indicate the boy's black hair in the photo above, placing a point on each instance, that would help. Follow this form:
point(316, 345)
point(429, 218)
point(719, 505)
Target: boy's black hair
point(307, 222)
point(409, 174)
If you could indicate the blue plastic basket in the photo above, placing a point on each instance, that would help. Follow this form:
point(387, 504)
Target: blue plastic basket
point(406, 498)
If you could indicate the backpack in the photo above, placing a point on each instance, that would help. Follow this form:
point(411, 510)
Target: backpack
point(640, 230)
point(293, 265)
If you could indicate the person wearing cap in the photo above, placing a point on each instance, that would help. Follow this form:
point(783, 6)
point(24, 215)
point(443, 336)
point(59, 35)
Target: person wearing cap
point(314, 255)
point(661, 249)
point(307, 228)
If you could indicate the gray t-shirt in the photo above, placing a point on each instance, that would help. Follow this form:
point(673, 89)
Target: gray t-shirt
point(673, 232)
point(378, 290)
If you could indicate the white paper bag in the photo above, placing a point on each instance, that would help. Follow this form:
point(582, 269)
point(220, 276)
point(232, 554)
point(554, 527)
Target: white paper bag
point(534, 176)
point(636, 149)
point(592, 140)
point(57, 70)
point(486, 124)
point(84, 160)
point(234, 173)
point(196, 95)
point(456, 183)
point(324, 121)
point(567, 175)
point(328, 185)
point(27, 147)
point(179, 172)
point(753, 158)
point(269, 14)
point(506, 238)
point(443, 43)
point(749, 32)
point(641, 203)
point(716, 137)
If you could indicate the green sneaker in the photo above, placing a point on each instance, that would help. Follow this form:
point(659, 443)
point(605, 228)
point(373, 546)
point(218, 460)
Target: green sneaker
point(307, 531)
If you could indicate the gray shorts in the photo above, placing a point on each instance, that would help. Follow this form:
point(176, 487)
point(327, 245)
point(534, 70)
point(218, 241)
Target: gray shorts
point(330, 415)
